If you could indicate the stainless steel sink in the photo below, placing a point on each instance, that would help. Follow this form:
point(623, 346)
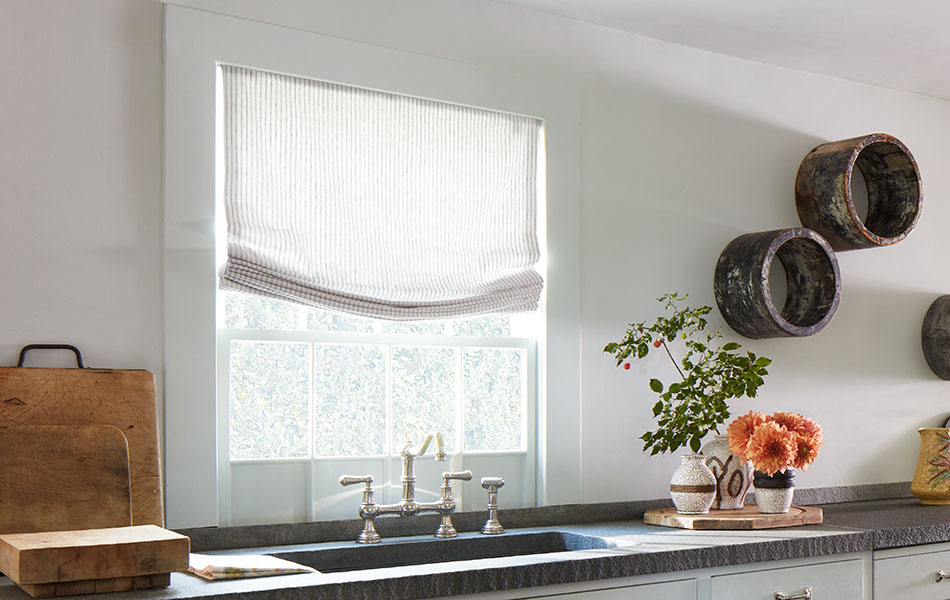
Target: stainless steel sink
point(411, 551)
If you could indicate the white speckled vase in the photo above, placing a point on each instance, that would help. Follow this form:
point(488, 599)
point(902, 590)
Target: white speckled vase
point(774, 493)
point(693, 486)
point(733, 477)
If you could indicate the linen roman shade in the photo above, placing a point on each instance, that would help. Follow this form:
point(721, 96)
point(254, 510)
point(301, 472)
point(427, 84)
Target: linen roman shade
point(376, 203)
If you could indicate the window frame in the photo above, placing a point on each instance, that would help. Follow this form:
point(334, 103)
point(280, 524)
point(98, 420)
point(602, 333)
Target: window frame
point(195, 42)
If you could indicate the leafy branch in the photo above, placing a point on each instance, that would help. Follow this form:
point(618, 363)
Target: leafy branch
point(710, 373)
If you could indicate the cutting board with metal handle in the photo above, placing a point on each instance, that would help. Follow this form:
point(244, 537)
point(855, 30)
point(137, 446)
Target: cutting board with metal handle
point(124, 399)
point(55, 477)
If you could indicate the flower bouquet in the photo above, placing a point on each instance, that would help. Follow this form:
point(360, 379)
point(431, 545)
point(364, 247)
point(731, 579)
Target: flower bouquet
point(776, 445)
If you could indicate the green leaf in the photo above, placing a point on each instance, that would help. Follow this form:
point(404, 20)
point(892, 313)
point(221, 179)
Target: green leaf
point(762, 362)
point(695, 443)
point(657, 408)
point(656, 385)
point(731, 346)
point(611, 347)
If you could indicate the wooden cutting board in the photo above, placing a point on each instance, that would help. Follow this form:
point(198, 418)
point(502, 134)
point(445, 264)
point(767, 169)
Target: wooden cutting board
point(54, 477)
point(96, 586)
point(124, 399)
point(63, 563)
point(744, 518)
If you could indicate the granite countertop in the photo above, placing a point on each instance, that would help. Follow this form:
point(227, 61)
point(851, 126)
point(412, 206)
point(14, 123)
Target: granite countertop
point(635, 549)
point(893, 523)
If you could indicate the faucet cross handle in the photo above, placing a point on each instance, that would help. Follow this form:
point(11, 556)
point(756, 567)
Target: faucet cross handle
point(463, 475)
point(354, 479)
point(368, 507)
point(447, 503)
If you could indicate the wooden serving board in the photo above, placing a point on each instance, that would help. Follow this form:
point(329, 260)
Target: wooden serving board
point(744, 518)
point(54, 477)
point(124, 399)
point(92, 560)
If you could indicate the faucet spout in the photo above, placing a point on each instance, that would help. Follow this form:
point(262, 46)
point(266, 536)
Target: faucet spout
point(439, 448)
point(408, 452)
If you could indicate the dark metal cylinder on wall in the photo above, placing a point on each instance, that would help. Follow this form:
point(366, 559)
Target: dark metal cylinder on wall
point(823, 191)
point(935, 337)
point(741, 283)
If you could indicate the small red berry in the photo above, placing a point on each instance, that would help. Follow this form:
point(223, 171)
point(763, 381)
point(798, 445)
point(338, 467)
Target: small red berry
point(657, 343)
point(626, 366)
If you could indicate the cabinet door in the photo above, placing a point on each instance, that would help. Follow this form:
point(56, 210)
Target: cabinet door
point(912, 577)
point(828, 581)
point(670, 590)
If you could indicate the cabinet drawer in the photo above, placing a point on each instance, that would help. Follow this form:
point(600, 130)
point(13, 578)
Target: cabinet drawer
point(669, 590)
point(828, 581)
point(912, 577)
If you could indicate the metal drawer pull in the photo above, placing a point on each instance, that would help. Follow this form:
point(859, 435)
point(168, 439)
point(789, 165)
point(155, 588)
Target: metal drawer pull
point(805, 595)
point(941, 575)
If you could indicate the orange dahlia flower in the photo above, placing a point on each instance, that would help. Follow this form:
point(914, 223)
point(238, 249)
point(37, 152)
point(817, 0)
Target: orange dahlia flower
point(811, 428)
point(790, 421)
point(771, 448)
point(806, 450)
point(741, 430)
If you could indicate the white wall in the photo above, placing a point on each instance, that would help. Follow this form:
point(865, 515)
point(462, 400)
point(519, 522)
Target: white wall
point(80, 166)
point(682, 151)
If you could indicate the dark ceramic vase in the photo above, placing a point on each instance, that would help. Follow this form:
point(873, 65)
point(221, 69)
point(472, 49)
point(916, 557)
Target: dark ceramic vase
point(773, 493)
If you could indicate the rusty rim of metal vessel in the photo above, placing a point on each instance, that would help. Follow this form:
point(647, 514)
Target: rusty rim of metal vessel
point(813, 282)
point(935, 337)
point(894, 191)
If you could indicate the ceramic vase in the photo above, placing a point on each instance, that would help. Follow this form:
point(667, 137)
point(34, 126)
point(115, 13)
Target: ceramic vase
point(773, 493)
point(733, 477)
point(692, 486)
point(931, 481)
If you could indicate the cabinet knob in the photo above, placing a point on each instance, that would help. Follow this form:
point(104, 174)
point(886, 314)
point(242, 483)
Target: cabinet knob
point(805, 595)
point(941, 575)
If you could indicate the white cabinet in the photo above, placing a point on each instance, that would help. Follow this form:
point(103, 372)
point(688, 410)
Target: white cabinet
point(827, 581)
point(911, 573)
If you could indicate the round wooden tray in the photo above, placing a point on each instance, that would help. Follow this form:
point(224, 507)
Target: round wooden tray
point(744, 518)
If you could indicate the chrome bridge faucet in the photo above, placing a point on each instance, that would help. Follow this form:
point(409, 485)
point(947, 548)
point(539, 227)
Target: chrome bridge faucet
point(408, 507)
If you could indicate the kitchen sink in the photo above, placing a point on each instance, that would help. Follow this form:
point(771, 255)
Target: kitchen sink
point(403, 552)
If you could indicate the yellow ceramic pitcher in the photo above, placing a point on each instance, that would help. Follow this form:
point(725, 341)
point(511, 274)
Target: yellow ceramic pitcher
point(931, 481)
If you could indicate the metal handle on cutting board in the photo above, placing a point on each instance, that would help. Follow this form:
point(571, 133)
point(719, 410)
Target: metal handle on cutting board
point(29, 347)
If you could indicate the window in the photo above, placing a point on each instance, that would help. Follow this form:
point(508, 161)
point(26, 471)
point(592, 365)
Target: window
point(311, 383)
point(313, 391)
point(195, 41)
point(332, 192)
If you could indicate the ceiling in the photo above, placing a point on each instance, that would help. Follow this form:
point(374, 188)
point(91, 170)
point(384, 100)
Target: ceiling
point(898, 44)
